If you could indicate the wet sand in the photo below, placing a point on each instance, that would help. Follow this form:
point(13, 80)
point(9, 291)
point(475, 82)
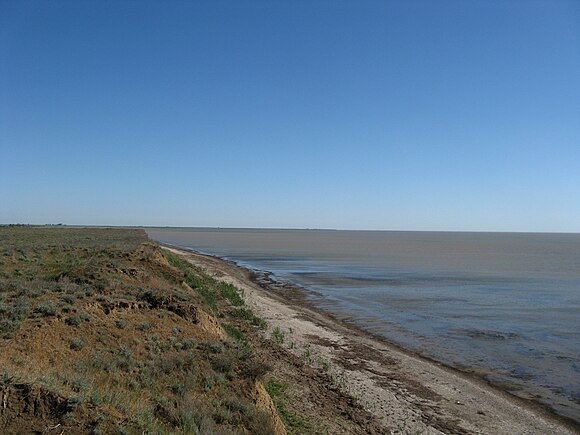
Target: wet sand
point(402, 389)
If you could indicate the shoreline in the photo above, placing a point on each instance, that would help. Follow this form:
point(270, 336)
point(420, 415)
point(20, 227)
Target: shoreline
point(399, 386)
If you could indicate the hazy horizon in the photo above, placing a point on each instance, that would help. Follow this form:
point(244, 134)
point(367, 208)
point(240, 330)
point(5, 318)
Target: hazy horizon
point(412, 116)
point(284, 228)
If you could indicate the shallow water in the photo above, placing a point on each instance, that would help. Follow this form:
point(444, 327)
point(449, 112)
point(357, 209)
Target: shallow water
point(503, 305)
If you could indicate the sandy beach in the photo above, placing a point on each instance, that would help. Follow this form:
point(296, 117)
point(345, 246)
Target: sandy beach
point(405, 392)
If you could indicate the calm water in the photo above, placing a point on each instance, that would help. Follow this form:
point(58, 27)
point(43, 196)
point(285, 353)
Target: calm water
point(504, 305)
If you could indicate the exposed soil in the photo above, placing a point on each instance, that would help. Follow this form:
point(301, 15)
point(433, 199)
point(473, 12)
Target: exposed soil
point(335, 370)
point(30, 408)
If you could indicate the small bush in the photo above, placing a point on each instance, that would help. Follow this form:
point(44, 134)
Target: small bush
point(256, 369)
point(9, 325)
point(190, 343)
point(244, 352)
point(223, 363)
point(146, 326)
point(121, 323)
point(173, 361)
point(46, 309)
point(77, 344)
point(69, 299)
point(74, 321)
point(213, 347)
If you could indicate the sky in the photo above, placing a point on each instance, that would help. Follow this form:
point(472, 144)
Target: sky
point(394, 115)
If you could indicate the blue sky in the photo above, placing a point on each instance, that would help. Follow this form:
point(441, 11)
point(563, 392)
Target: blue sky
point(420, 115)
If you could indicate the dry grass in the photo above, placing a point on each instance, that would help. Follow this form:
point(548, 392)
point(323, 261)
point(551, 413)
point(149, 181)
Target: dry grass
point(101, 320)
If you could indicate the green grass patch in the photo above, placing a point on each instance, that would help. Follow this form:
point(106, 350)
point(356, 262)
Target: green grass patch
point(200, 283)
point(275, 389)
point(197, 284)
point(295, 424)
point(248, 314)
point(176, 261)
point(235, 333)
point(229, 292)
point(278, 335)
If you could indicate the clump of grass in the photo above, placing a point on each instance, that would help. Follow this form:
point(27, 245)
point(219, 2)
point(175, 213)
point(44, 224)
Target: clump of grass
point(68, 299)
point(223, 363)
point(46, 309)
point(229, 292)
point(212, 347)
point(74, 321)
point(235, 333)
point(77, 344)
point(206, 294)
point(176, 261)
point(77, 319)
point(145, 326)
point(294, 423)
point(12, 315)
point(278, 335)
point(256, 369)
point(275, 388)
point(189, 343)
point(201, 284)
point(248, 314)
point(8, 379)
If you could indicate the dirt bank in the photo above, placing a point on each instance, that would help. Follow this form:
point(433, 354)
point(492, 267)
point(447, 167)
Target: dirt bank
point(404, 392)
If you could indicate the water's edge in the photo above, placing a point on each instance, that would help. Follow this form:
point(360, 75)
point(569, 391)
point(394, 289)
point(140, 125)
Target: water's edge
point(295, 293)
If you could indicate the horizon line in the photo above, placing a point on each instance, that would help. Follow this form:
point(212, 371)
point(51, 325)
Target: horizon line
point(285, 228)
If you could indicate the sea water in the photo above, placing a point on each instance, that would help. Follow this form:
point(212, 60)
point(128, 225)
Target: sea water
point(503, 305)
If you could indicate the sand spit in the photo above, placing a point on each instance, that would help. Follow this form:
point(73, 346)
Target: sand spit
point(407, 393)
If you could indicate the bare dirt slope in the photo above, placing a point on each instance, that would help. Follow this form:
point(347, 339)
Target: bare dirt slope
point(404, 392)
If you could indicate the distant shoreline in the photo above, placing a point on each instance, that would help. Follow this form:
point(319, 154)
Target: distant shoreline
point(509, 414)
point(289, 229)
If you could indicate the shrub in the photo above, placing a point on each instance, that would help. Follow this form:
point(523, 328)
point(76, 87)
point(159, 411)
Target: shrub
point(190, 343)
point(46, 309)
point(121, 323)
point(173, 361)
point(213, 347)
point(256, 369)
point(145, 326)
point(77, 344)
point(223, 363)
point(9, 325)
point(73, 321)
point(68, 299)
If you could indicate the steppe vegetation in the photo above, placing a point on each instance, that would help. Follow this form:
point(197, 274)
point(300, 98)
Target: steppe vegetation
point(100, 332)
